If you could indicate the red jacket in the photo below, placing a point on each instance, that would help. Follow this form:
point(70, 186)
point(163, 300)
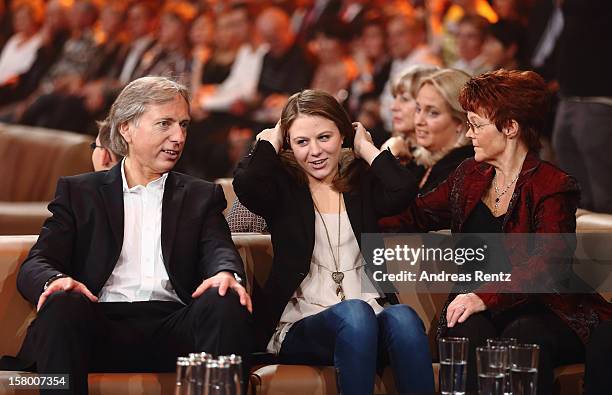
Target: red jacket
point(544, 201)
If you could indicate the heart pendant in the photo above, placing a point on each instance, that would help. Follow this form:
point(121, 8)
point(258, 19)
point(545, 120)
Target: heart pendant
point(340, 293)
point(337, 277)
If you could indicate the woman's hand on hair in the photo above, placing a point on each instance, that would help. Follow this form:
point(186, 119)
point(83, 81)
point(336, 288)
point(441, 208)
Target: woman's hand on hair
point(273, 135)
point(363, 145)
point(399, 148)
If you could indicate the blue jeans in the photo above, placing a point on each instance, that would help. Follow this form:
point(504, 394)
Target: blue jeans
point(348, 334)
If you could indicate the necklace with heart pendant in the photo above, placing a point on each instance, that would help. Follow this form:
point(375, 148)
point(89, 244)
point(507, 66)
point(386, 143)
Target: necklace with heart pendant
point(337, 276)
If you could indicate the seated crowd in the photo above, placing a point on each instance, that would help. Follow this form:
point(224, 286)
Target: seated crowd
point(63, 62)
point(336, 119)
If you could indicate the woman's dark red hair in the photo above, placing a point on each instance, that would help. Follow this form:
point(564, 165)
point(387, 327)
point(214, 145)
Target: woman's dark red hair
point(506, 95)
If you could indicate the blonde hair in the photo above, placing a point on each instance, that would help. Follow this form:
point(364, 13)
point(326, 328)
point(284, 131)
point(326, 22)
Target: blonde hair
point(448, 83)
point(409, 80)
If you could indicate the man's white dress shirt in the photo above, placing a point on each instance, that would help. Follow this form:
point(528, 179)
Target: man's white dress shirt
point(140, 274)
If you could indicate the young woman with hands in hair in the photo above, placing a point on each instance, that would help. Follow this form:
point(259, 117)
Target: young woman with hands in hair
point(317, 306)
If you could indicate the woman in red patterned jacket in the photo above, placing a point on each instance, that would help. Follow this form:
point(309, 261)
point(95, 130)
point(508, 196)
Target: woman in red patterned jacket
point(506, 188)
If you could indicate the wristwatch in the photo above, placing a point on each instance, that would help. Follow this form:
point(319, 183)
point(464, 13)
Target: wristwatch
point(49, 281)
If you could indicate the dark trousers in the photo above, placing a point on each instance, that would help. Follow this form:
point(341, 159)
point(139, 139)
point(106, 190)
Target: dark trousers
point(599, 360)
point(75, 336)
point(582, 138)
point(559, 345)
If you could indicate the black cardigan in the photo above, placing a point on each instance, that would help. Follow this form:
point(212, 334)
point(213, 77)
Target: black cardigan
point(264, 186)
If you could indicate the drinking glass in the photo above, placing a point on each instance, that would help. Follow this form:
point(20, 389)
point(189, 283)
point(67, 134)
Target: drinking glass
point(235, 382)
point(524, 368)
point(491, 363)
point(453, 364)
point(182, 380)
point(504, 342)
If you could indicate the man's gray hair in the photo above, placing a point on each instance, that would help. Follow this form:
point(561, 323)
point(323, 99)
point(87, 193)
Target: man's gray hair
point(132, 103)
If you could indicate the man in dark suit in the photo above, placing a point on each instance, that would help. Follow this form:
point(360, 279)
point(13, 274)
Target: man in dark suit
point(136, 266)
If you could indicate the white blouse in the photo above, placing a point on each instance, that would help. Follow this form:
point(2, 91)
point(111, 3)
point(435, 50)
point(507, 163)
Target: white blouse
point(18, 56)
point(317, 291)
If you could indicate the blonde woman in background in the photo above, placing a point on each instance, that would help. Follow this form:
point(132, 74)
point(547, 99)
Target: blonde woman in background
point(404, 90)
point(440, 128)
point(438, 122)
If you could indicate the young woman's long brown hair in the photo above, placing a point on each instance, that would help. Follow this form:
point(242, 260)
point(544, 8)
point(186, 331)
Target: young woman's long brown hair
point(319, 103)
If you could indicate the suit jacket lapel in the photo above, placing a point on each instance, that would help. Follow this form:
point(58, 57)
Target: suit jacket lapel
point(174, 193)
point(112, 194)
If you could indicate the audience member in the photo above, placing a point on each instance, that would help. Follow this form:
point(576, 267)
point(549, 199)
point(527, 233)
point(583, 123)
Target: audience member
point(141, 23)
point(405, 89)
point(368, 114)
point(54, 34)
point(407, 43)
point(116, 58)
point(62, 85)
point(67, 73)
point(335, 70)
point(216, 67)
point(582, 135)
point(110, 38)
point(470, 37)
point(307, 14)
point(170, 54)
point(20, 50)
point(373, 63)
point(202, 37)
point(206, 151)
point(439, 123)
point(219, 108)
point(98, 95)
point(69, 110)
point(502, 46)
point(450, 24)
point(544, 28)
point(286, 68)
point(241, 84)
point(441, 144)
